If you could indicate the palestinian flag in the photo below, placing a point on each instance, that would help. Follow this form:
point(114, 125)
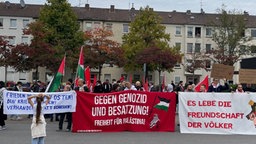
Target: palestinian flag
point(163, 104)
point(80, 67)
point(54, 85)
point(87, 74)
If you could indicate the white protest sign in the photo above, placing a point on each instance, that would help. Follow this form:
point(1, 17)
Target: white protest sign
point(60, 102)
point(217, 113)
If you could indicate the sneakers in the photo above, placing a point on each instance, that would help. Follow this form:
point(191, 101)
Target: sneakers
point(2, 128)
point(68, 130)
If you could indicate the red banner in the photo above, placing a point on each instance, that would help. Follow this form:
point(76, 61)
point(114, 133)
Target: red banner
point(124, 111)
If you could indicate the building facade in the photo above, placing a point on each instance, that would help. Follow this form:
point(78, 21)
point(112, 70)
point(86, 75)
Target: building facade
point(190, 31)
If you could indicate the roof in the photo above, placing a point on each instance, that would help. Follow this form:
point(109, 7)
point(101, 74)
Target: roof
point(119, 15)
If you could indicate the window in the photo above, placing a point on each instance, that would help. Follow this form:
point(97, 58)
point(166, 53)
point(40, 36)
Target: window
point(109, 26)
point(1, 22)
point(24, 40)
point(178, 30)
point(88, 26)
point(178, 44)
point(12, 40)
point(208, 32)
point(25, 23)
point(136, 77)
point(189, 47)
point(22, 76)
point(125, 28)
point(13, 23)
point(197, 47)
point(107, 76)
point(198, 32)
point(176, 80)
point(190, 32)
point(96, 24)
point(253, 33)
point(208, 48)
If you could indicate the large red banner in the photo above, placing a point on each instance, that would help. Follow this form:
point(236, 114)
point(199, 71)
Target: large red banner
point(124, 111)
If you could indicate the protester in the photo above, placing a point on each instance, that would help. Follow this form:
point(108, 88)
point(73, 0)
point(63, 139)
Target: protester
point(98, 87)
point(68, 114)
point(38, 126)
point(129, 86)
point(203, 88)
point(249, 88)
point(138, 86)
point(239, 89)
point(17, 87)
point(116, 87)
point(169, 88)
point(217, 87)
point(189, 88)
point(107, 86)
point(81, 86)
point(3, 117)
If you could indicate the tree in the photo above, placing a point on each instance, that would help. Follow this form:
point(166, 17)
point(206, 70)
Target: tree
point(38, 53)
point(145, 31)
point(63, 30)
point(5, 50)
point(229, 35)
point(159, 59)
point(100, 49)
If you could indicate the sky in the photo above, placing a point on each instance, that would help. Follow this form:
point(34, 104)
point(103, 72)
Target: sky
point(209, 6)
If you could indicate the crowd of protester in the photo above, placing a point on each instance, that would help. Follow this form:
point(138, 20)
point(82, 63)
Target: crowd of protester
point(108, 87)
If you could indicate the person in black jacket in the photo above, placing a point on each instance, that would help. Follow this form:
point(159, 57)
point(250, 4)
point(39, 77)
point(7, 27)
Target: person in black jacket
point(217, 87)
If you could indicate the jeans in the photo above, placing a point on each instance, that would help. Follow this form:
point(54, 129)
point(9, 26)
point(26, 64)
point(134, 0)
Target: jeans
point(39, 140)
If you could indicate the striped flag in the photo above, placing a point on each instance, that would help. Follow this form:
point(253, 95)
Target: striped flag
point(54, 84)
point(80, 67)
point(163, 104)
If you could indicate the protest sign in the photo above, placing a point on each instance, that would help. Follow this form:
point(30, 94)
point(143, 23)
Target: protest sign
point(17, 103)
point(124, 111)
point(221, 71)
point(217, 113)
point(247, 76)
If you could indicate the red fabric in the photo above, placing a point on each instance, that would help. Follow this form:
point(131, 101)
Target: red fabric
point(121, 78)
point(205, 81)
point(145, 85)
point(107, 120)
point(130, 79)
point(62, 66)
point(87, 74)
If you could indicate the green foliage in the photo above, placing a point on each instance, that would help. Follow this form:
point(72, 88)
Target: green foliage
point(228, 34)
point(62, 30)
point(145, 31)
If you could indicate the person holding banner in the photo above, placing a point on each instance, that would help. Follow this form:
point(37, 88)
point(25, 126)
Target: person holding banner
point(81, 86)
point(3, 117)
point(239, 89)
point(217, 87)
point(38, 126)
point(68, 114)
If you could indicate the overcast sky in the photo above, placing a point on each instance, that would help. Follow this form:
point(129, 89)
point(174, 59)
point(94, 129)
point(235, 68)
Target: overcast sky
point(209, 6)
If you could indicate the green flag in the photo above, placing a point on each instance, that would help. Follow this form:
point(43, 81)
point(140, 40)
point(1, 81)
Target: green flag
point(54, 85)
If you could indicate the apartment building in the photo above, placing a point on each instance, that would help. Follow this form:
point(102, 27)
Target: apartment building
point(190, 31)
